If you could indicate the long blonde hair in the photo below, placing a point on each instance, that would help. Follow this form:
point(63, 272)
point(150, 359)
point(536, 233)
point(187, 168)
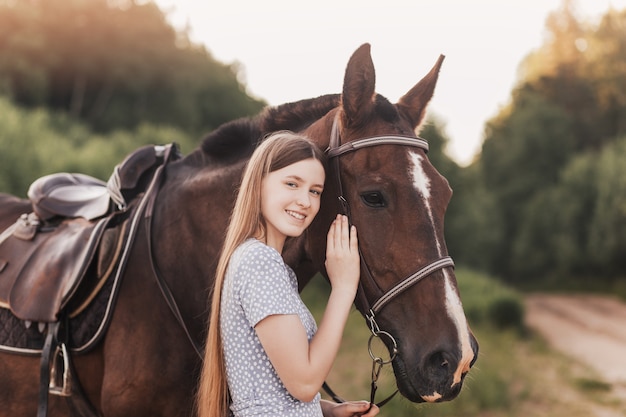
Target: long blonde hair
point(275, 152)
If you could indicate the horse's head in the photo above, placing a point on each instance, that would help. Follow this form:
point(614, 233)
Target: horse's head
point(397, 200)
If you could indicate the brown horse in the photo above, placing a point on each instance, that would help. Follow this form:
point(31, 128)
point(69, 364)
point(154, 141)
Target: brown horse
point(145, 364)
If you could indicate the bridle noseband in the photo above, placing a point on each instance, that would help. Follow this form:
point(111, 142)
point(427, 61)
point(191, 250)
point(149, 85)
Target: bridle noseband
point(335, 151)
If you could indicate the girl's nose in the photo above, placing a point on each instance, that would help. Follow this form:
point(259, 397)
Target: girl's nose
point(303, 200)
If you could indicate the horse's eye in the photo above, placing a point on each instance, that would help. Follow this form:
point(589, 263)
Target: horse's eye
point(374, 199)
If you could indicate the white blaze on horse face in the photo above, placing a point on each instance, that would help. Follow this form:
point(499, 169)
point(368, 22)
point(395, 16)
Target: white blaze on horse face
point(456, 313)
point(454, 308)
point(421, 182)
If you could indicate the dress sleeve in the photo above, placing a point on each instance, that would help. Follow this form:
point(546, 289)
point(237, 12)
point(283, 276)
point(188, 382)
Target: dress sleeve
point(266, 286)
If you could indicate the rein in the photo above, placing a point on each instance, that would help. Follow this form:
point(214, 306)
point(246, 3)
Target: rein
point(335, 151)
point(169, 154)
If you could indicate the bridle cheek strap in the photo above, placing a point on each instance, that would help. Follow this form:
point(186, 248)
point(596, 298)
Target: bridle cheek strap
point(335, 151)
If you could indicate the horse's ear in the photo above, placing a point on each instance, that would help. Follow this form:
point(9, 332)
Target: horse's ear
point(358, 86)
point(413, 104)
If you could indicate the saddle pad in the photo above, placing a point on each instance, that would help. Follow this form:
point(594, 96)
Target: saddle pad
point(40, 275)
point(86, 329)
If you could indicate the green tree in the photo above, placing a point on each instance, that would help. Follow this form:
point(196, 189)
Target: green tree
point(523, 153)
point(572, 205)
point(114, 65)
point(434, 131)
point(540, 158)
point(39, 142)
point(607, 228)
point(606, 55)
point(472, 225)
point(580, 69)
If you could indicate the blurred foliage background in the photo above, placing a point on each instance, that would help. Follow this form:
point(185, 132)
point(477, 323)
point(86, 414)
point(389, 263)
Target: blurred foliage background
point(543, 206)
point(84, 82)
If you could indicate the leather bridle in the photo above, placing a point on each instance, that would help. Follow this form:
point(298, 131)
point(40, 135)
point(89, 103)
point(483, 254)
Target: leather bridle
point(382, 298)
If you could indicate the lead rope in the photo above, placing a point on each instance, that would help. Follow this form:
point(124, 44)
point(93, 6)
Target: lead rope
point(377, 366)
point(377, 361)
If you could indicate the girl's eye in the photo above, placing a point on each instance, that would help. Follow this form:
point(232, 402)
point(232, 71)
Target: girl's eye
point(316, 192)
point(291, 184)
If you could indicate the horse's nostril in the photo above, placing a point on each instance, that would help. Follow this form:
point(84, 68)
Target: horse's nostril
point(438, 364)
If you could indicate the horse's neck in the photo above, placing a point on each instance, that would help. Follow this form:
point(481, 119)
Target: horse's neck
point(191, 214)
point(188, 225)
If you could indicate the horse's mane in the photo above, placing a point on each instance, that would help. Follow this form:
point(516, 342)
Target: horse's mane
point(298, 115)
point(238, 138)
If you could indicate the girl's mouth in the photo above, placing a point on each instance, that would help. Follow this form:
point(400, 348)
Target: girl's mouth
point(296, 215)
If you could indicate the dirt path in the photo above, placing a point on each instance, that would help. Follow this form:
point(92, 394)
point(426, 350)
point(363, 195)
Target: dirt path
point(589, 329)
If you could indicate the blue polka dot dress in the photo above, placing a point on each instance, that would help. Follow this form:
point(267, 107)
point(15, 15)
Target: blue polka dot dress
point(258, 284)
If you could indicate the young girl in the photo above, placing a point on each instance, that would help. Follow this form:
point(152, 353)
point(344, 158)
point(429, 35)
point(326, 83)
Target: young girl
point(264, 354)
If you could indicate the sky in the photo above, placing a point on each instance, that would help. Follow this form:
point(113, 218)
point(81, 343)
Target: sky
point(289, 50)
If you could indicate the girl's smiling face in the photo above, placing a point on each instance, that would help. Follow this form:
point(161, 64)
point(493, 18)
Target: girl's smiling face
point(290, 199)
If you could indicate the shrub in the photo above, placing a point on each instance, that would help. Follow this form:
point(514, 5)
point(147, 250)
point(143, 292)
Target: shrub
point(488, 301)
point(506, 311)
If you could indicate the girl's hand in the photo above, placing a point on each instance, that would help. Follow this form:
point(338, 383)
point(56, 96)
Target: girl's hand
point(303, 365)
point(348, 409)
point(342, 255)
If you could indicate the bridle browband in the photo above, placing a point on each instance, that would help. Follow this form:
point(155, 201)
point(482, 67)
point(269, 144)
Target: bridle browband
point(334, 152)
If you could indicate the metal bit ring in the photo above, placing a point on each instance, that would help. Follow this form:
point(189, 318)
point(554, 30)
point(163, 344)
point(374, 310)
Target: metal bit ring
point(394, 350)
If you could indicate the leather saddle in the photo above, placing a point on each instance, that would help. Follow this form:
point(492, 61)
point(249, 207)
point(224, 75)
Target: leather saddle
point(42, 266)
point(46, 254)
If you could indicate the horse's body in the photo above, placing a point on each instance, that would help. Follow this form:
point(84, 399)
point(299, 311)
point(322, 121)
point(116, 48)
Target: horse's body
point(145, 365)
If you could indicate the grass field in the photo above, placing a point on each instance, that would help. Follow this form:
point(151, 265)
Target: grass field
point(515, 375)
